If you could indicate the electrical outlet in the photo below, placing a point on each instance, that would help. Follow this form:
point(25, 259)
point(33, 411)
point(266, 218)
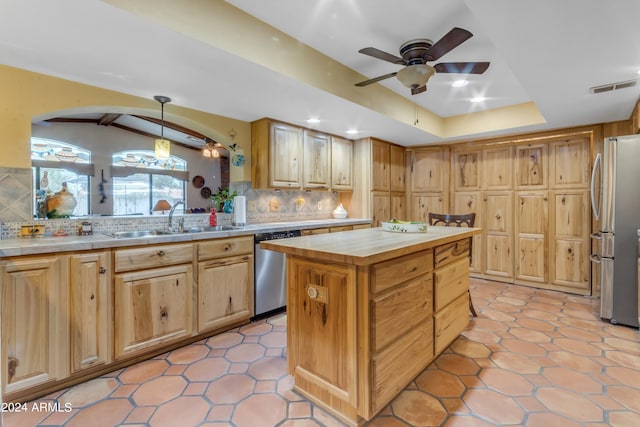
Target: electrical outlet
point(252, 205)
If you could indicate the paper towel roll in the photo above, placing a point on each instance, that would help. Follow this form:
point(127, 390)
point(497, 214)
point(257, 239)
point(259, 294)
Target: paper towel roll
point(240, 211)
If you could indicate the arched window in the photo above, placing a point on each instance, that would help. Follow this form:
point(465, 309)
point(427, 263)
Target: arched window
point(140, 180)
point(54, 162)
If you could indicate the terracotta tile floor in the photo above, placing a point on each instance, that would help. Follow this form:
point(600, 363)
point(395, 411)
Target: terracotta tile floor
point(531, 358)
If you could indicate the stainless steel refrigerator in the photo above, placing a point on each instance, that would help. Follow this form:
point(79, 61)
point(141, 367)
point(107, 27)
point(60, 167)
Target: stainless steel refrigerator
point(615, 199)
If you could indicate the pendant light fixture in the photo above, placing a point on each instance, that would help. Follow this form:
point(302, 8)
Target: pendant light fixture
point(162, 146)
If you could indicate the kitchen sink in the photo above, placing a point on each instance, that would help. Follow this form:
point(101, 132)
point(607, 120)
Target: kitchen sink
point(160, 232)
point(139, 233)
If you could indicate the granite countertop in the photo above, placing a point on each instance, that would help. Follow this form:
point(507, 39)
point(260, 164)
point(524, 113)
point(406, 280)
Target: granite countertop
point(44, 245)
point(367, 246)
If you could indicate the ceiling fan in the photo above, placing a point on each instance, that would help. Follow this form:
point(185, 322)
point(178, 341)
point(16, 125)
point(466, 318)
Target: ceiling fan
point(416, 53)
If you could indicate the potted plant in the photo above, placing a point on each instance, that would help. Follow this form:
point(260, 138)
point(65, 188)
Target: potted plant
point(223, 199)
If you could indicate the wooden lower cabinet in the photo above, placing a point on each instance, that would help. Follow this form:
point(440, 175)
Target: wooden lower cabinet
point(223, 292)
point(34, 334)
point(224, 283)
point(152, 308)
point(359, 334)
point(91, 316)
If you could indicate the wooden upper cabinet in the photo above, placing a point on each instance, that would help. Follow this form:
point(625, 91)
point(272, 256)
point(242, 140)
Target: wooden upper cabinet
point(316, 171)
point(427, 169)
point(397, 167)
point(466, 170)
point(497, 168)
point(276, 155)
point(531, 166)
point(569, 163)
point(341, 164)
point(380, 170)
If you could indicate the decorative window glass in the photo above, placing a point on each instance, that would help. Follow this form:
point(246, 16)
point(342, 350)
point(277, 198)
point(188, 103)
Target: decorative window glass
point(140, 180)
point(146, 159)
point(56, 162)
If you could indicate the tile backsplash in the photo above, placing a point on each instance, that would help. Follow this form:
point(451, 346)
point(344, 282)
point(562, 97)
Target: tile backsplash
point(262, 206)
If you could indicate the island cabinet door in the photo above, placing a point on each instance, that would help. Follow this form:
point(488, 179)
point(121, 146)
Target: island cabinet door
point(153, 308)
point(322, 332)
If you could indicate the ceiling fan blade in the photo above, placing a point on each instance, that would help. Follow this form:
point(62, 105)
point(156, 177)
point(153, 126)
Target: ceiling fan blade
point(452, 39)
point(419, 90)
point(374, 80)
point(377, 53)
point(462, 67)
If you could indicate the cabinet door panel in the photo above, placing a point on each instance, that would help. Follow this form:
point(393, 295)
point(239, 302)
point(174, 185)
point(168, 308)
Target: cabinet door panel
point(30, 309)
point(152, 308)
point(422, 205)
point(341, 164)
point(497, 168)
point(531, 166)
point(499, 256)
point(381, 205)
point(223, 292)
point(427, 168)
point(531, 236)
point(398, 206)
point(323, 306)
point(285, 162)
point(465, 203)
point(498, 218)
point(570, 163)
point(91, 332)
point(397, 168)
point(570, 227)
point(316, 158)
point(466, 170)
point(380, 173)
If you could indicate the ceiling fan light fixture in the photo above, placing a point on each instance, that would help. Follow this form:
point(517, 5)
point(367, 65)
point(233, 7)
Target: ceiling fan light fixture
point(415, 76)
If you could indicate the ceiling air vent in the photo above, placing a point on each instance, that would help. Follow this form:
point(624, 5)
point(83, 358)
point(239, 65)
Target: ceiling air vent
point(613, 86)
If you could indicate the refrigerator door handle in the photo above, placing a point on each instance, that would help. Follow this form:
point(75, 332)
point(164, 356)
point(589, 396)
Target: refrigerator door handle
point(597, 166)
point(595, 258)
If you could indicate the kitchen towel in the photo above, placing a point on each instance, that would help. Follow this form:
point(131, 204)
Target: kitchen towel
point(240, 211)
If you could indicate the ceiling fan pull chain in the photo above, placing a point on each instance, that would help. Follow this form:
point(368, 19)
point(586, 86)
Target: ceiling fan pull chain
point(415, 122)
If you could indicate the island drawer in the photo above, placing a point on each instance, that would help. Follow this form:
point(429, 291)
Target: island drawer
point(450, 321)
point(450, 252)
point(222, 248)
point(395, 313)
point(390, 273)
point(152, 256)
point(399, 363)
point(450, 282)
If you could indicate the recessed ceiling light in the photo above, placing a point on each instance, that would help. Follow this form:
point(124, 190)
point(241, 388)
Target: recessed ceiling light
point(460, 83)
point(313, 120)
point(478, 99)
point(352, 131)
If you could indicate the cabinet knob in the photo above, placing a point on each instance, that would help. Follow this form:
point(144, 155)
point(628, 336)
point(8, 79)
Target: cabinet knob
point(160, 253)
point(312, 292)
point(102, 270)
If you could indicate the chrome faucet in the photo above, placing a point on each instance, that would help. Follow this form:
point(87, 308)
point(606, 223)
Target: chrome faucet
point(173, 208)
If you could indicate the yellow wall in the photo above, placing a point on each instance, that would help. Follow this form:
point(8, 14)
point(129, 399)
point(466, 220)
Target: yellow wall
point(28, 97)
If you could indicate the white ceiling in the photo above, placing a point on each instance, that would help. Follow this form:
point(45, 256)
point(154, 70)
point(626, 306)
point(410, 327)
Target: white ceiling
point(548, 52)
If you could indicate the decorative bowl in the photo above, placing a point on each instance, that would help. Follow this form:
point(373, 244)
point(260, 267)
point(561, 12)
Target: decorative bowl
point(404, 226)
point(339, 215)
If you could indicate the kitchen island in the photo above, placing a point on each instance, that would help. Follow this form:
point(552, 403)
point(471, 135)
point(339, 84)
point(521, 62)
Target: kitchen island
point(369, 309)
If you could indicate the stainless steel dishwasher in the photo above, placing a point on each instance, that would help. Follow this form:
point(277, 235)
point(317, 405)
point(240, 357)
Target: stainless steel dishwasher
point(270, 275)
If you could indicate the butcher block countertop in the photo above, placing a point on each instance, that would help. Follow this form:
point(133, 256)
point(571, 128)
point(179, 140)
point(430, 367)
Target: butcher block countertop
point(367, 246)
